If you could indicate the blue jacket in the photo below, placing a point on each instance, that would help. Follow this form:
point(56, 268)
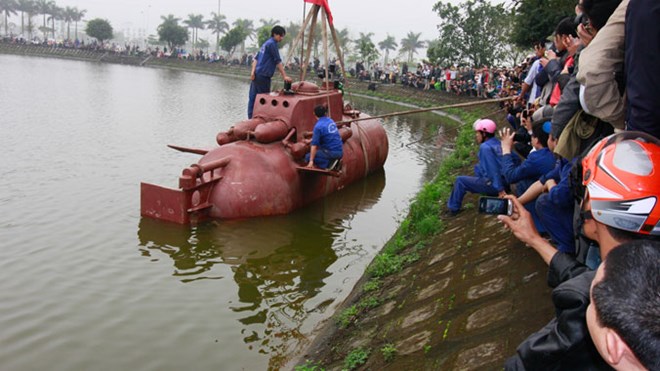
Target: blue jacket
point(267, 59)
point(537, 163)
point(326, 136)
point(489, 165)
point(562, 194)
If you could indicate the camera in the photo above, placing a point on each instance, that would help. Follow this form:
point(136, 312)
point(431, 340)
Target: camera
point(495, 206)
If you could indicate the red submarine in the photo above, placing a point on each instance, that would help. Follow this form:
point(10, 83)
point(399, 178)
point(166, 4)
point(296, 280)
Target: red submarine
point(258, 167)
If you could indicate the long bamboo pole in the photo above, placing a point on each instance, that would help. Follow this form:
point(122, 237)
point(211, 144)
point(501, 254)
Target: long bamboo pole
point(310, 39)
point(326, 57)
point(457, 105)
point(298, 39)
point(340, 55)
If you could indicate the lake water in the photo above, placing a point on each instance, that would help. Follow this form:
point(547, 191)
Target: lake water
point(87, 284)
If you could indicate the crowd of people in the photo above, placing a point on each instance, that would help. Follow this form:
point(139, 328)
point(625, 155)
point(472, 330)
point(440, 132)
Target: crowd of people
point(579, 162)
point(485, 82)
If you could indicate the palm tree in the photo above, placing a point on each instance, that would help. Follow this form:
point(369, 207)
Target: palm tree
point(291, 31)
point(170, 19)
point(366, 47)
point(77, 17)
point(8, 7)
point(269, 23)
point(67, 15)
point(195, 22)
point(388, 44)
point(344, 39)
point(247, 28)
point(410, 44)
point(25, 6)
point(55, 14)
point(217, 25)
point(44, 7)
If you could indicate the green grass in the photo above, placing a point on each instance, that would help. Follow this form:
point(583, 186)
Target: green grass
point(427, 348)
point(346, 316)
point(372, 285)
point(369, 303)
point(389, 351)
point(422, 222)
point(309, 366)
point(355, 358)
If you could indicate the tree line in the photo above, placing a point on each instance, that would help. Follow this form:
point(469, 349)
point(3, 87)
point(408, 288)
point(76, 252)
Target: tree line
point(474, 32)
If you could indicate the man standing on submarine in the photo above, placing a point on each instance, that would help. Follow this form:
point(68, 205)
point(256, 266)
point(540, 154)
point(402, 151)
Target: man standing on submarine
point(264, 65)
point(326, 141)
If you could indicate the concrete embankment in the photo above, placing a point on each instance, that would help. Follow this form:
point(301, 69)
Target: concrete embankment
point(469, 300)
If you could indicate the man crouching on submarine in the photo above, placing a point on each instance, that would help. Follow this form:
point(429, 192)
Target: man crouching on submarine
point(326, 141)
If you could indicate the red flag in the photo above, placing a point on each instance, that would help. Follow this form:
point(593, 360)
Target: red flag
point(324, 4)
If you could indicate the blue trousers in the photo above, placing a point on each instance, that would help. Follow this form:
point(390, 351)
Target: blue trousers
point(323, 158)
point(471, 184)
point(259, 85)
point(531, 207)
point(558, 222)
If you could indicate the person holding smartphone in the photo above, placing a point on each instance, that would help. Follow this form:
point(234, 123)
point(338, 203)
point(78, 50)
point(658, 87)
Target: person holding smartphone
point(620, 175)
point(538, 163)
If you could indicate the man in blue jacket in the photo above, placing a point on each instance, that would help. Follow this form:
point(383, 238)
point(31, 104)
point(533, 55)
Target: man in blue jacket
point(264, 65)
point(326, 141)
point(488, 177)
point(538, 162)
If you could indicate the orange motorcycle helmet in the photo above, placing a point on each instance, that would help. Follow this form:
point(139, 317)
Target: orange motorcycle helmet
point(622, 176)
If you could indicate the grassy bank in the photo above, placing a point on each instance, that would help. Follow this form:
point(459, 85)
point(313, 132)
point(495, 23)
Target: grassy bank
point(421, 224)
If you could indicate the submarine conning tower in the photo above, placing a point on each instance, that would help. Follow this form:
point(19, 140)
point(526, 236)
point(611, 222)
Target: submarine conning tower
point(287, 113)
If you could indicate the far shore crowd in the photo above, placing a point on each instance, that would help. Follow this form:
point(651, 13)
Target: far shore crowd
point(479, 81)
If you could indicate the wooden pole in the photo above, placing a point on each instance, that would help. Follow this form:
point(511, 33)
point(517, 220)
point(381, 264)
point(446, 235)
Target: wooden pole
point(301, 33)
point(457, 105)
point(340, 55)
point(297, 40)
point(326, 79)
point(310, 40)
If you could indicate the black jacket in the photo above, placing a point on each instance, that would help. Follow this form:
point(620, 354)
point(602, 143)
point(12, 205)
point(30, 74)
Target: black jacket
point(564, 343)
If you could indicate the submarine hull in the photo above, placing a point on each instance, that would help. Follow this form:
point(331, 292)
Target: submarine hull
point(258, 168)
point(263, 179)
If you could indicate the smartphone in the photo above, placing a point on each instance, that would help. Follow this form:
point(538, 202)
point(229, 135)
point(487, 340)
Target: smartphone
point(495, 206)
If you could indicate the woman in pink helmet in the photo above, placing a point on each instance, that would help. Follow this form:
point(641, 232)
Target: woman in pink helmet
point(488, 177)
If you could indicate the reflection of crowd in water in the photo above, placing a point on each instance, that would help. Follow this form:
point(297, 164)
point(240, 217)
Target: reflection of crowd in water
point(582, 168)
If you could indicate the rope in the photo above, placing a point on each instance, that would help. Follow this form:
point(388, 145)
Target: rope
point(363, 138)
point(457, 105)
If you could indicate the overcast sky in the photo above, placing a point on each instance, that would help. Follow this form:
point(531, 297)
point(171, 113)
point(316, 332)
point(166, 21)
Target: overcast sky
point(377, 16)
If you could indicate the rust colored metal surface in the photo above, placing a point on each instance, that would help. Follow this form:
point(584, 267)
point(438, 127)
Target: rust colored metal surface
point(255, 170)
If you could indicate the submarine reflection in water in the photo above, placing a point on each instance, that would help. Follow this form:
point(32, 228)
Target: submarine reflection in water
point(279, 263)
